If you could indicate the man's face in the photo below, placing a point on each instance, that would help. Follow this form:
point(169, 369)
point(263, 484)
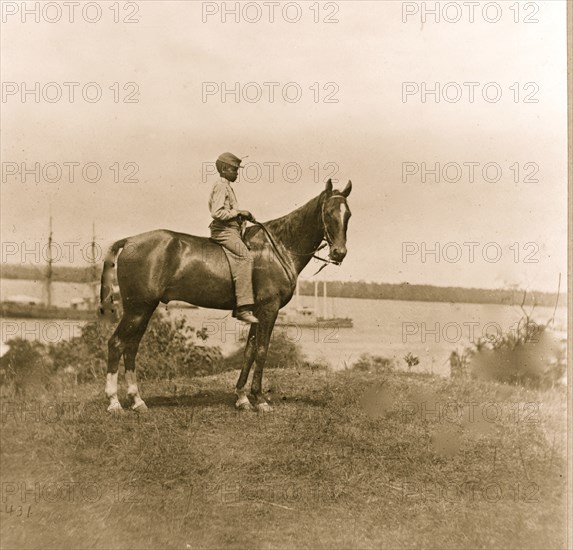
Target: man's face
point(230, 173)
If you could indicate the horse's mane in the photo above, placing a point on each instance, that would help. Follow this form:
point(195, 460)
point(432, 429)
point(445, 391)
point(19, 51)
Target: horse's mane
point(286, 228)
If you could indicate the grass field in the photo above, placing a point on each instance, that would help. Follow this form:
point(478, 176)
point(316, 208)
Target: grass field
point(347, 460)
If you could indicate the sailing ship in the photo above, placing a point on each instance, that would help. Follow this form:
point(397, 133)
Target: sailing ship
point(27, 307)
point(308, 317)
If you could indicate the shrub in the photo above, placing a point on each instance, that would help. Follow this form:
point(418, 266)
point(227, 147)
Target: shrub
point(26, 367)
point(459, 363)
point(530, 355)
point(168, 349)
point(411, 360)
point(318, 364)
point(373, 363)
point(283, 353)
point(85, 354)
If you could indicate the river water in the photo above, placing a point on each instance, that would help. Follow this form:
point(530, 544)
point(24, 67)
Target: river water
point(389, 328)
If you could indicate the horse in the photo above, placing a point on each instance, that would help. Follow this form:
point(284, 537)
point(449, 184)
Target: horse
point(162, 265)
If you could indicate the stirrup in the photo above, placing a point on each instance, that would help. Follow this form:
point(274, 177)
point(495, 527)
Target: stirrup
point(247, 317)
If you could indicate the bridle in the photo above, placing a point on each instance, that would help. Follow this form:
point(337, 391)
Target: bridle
point(327, 238)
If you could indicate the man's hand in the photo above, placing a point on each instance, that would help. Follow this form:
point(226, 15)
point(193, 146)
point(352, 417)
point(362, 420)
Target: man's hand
point(246, 215)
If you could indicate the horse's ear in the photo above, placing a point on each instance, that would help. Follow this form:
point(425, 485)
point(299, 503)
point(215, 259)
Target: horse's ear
point(329, 185)
point(347, 189)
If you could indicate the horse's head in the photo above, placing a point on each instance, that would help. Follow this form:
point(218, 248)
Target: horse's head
point(335, 216)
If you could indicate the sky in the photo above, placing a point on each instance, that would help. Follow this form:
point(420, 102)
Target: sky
point(352, 121)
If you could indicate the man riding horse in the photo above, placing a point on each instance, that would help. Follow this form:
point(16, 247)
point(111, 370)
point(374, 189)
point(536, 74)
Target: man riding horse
point(161, 265)
point(226, 228)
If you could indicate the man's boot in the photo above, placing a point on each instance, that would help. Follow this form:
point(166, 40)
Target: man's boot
point(245, 314)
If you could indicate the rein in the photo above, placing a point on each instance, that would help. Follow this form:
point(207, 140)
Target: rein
point(312, 254)
point(292, 276)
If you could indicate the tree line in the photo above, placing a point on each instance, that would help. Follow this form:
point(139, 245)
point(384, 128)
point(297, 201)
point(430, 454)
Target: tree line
point(338, 289)
point(431, 293)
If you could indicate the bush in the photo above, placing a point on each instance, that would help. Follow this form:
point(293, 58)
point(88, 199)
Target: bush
point(86, 355)
point(318, 364)
point(26, 367)
point(374, 363)
point(530, 355)
point(411, 360)
point(283, 354)
point(168, 349)
point(460, 363)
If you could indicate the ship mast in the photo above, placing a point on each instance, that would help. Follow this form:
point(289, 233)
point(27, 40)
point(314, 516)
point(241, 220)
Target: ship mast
point(325, 315)
point(94, 267)
point(297, 299)
point(49, 271)
point(316, 298)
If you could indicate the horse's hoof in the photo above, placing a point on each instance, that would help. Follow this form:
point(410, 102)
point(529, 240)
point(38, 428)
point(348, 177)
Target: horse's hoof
point(264, 408)
point(115, 408)
point(141, 408)
point(244, 406)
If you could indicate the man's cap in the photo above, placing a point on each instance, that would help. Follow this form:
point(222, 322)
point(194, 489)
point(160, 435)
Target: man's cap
point(229, 158)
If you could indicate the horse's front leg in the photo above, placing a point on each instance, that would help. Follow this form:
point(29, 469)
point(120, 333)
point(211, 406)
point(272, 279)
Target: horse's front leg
point(243, 402)
point(267, 318)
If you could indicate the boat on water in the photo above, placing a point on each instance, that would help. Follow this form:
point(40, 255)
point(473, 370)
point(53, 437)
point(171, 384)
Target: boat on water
point(28, 307)
point(305, 316)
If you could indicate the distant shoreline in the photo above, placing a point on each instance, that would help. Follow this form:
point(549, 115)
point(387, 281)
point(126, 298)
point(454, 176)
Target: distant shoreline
point(430, 293)
point(335, 289)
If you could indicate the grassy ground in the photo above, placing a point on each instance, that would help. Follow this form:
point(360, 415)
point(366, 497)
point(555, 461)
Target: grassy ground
point(347, 460)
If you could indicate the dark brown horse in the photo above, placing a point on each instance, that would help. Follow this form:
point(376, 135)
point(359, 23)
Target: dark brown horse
point(162, 265)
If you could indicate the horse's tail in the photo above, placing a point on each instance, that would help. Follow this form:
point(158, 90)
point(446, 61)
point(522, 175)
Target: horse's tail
point(108, 309)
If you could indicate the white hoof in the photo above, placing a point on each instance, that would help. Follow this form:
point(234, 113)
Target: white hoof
point(115, 407)
point(140, 407)
point(243, 404)
point(264, 408)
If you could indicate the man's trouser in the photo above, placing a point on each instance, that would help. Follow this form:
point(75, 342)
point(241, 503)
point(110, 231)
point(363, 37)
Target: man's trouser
point(240, 259)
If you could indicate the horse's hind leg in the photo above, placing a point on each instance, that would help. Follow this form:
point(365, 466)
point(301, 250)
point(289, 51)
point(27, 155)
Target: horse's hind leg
point(115, 346)
point(129, 331)
point(140, 321)
point(243, 402)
